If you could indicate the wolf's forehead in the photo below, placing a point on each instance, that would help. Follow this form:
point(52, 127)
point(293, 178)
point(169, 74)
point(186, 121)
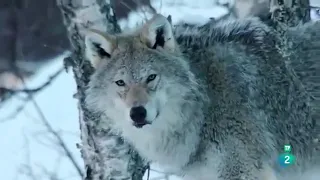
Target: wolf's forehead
point(136, 66)
point(135, 56)
point(129, 43)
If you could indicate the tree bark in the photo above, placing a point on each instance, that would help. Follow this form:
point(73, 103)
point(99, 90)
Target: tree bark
point(106, 156)
point(286, 14)
point(289, 13)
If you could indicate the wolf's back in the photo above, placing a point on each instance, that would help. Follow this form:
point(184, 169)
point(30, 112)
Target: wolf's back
point(246, 52)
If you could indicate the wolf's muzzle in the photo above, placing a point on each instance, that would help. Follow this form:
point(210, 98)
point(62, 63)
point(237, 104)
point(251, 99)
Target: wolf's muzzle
point(138, 115)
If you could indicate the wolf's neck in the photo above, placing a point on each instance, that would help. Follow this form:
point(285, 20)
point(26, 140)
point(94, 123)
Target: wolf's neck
point(184, 121)
point(174, 137)
point(177, 142)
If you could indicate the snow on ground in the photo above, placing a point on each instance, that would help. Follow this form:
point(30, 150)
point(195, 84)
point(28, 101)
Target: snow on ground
point(25, 138)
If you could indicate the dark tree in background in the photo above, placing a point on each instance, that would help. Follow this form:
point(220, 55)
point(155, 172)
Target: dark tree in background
point(32, 33)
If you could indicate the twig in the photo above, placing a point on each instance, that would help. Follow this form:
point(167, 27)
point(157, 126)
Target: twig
point(17, 111)
point(57, 136)
point(26, 168)
point(21, 107)
point(46, 122)
point(50, 175)
point(47, 83)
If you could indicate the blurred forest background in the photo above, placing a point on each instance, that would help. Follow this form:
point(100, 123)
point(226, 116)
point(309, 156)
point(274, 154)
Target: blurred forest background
point(39, 126)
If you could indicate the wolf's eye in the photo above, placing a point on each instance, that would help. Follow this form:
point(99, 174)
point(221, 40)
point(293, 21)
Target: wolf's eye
point(151, 78)
point(120, 83)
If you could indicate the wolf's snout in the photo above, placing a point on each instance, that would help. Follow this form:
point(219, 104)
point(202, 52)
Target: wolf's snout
point(138, 114)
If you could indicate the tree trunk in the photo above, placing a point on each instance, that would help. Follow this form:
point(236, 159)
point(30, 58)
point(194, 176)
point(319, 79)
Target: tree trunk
point(289, 13)
point(286, 14)
point(106, 156)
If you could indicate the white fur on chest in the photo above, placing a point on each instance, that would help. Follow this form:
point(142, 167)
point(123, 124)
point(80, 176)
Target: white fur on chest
point(172, 154)
point(207, 169)
point(159, 147)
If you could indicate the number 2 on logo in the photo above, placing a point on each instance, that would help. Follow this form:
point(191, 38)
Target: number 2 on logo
point(287, 159)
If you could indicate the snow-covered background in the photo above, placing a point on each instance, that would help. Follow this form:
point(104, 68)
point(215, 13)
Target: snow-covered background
point(28, 150)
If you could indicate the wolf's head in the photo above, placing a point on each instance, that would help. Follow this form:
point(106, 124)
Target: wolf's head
point(138, 77)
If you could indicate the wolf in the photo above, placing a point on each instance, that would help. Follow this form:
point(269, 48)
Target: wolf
point(216, 102)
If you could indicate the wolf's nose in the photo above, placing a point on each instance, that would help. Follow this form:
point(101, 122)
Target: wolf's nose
point(138, 114)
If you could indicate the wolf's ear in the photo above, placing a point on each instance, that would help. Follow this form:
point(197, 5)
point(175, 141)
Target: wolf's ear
point(98, 46)
point(157, 32)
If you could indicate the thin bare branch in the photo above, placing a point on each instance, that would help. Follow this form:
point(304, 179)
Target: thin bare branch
point(26, 168)
point(46, 123)
point(29, 92)
point(35, 90)
point(16, 112)
point(58, 137)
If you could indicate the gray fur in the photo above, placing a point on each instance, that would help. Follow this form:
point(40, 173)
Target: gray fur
point(227, 98)
point(304, 56)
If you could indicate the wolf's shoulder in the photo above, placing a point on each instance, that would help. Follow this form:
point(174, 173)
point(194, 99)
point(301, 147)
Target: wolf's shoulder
point(233, 48)
point(250, 31)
